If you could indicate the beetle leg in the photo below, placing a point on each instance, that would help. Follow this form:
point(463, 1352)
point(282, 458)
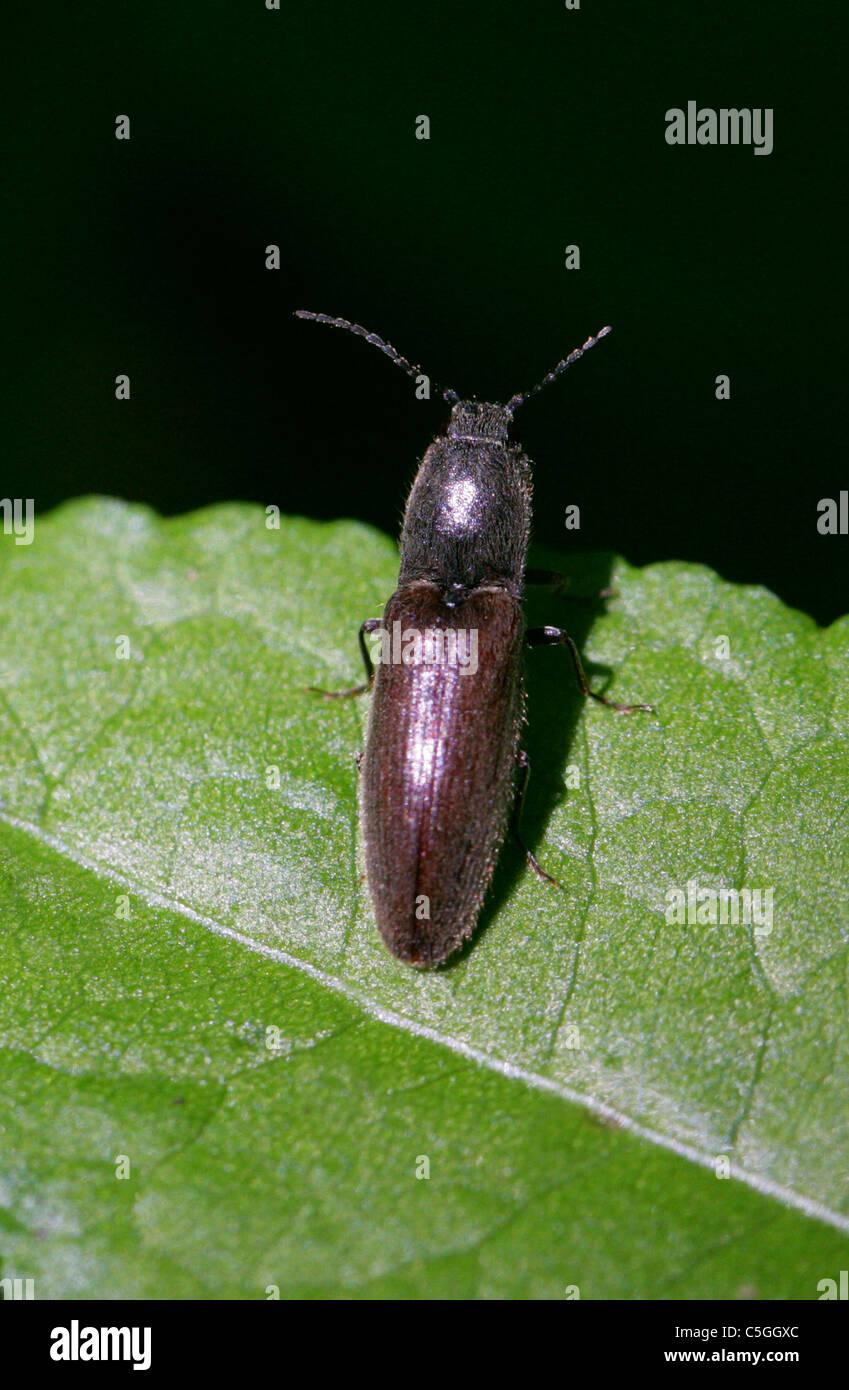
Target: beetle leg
point(370, 625)
point(560, 582)
point(523, 763)
point(555, 636)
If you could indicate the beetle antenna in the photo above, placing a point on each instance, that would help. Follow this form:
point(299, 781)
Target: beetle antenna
point(372, 338)
point(520, 399)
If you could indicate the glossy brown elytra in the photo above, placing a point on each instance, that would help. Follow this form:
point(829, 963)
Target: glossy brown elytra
point(443, 744)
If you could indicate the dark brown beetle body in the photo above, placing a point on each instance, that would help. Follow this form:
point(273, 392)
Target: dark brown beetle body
point(442, 749)
point(440, 757)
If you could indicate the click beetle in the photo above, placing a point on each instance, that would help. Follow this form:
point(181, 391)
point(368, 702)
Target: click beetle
point(442, 750)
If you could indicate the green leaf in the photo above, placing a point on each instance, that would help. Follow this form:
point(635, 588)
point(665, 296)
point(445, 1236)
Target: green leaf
point(190, 976)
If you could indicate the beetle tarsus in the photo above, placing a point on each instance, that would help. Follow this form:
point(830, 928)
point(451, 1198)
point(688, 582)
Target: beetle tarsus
point(339, 694)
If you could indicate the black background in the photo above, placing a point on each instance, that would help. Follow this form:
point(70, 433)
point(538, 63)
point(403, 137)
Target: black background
point(296, 127)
